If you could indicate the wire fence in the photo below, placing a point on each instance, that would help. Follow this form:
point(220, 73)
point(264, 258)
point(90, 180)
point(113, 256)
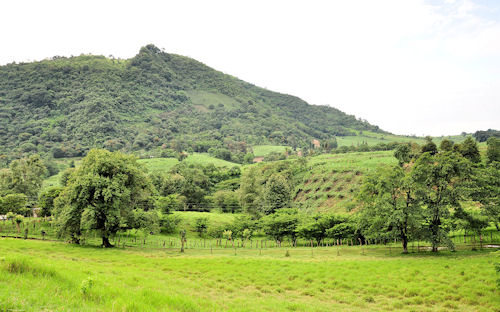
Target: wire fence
point(38, 228)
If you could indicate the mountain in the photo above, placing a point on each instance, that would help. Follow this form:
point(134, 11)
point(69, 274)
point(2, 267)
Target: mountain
point(64, 106)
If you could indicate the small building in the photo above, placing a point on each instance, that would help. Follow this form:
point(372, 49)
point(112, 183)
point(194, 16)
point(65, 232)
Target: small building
point(316, 143)
point(258, 159)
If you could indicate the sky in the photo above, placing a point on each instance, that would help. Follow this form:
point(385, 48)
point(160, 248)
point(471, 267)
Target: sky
point(410, 67)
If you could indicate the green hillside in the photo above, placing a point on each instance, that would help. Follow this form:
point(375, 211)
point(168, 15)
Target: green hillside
point(333, 180)
point(155, 100)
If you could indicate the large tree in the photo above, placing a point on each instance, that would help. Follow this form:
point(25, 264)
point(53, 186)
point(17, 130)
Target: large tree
point(438, 180)
point(486, 190)
point(389, 205)
point(493, 150)
point(469, 150)
point(102, 193)
point(277, 194)
point(24, 176)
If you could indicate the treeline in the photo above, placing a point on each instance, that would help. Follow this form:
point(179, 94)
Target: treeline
point(430, 192)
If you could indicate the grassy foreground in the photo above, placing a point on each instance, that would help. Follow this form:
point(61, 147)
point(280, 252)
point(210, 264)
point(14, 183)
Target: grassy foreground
point(47, 276)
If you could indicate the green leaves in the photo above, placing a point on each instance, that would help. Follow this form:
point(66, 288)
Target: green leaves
point(103, 192)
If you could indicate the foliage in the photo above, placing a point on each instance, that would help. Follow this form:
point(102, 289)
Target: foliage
point(282, 223)
point(483, 136)
point(493, 150)
point(469, 150)
point(446, 145)
point(389, 206)
point(403, 153)
point(46, 200)
point(226, 200)
point(169, 223)
point(167, 204)
point(103, 191)
point(15, 203)
point(429, 146)
point(62, 107)
point(147, 221)
point(277, 194)
point(201, 226)
point(23, 176)
point(438, 179)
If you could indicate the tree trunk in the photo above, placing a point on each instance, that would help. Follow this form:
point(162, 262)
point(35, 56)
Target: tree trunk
point(105, 242)
point(436, 222)
point(404, 240)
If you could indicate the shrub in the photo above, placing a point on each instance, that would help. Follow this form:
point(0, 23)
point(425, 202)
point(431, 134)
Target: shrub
point(86, 286)
point(201, 226)
point(169, 223)
point(15, 203)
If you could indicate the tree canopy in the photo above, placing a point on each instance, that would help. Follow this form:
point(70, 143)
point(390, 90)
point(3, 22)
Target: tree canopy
point(102, 194)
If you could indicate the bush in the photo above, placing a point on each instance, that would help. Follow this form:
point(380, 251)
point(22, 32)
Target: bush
point(201, 226)
point(216, 231)
point(86, 286)
point(46, 200)
point(169, 224)
point(167, 204)
point(16, 203)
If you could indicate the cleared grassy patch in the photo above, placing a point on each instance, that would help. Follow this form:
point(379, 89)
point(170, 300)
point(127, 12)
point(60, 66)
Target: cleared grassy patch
point(263, 150)
point(165, 164)
point(204, 100)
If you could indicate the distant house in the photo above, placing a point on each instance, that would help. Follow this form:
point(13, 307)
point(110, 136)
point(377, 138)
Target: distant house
point(36, 212)
point(258, 159)
point(316, 143)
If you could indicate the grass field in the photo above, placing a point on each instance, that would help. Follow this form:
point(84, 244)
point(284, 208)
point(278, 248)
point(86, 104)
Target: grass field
point(263, 150)
point(165, 164)
point(202, 100)
point(47, 276)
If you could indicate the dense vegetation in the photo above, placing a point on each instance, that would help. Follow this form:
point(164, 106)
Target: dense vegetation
point(155, 101)
point(422, 194)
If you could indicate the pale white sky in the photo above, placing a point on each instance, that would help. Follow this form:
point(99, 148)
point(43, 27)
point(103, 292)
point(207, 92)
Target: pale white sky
point(410, 67)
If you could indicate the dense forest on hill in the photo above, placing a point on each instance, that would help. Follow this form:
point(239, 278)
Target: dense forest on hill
point(65, 106)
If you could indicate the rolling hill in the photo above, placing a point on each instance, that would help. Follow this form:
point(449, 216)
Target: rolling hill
point(64, 106)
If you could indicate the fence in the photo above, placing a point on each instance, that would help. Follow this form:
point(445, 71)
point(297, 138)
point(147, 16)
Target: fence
point(44, 230)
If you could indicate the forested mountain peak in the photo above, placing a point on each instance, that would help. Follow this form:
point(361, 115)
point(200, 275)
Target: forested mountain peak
point(65, 105)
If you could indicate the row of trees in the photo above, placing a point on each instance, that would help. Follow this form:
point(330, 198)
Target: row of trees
point(428, 193)
point(423, 196)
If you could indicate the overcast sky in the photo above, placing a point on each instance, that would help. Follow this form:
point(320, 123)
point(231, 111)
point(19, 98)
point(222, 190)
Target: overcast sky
point(410, 67)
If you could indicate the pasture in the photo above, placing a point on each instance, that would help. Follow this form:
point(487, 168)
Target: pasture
point(53, 276)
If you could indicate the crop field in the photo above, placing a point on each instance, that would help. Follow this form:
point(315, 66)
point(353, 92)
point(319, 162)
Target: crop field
point(334, 179)
point(49, 276)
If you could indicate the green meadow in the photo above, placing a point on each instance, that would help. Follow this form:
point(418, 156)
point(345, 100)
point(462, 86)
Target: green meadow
point(50, 276)
point(263, 150)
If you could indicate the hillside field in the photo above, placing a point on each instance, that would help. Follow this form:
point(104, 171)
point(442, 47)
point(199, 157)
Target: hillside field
point(36, 275)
